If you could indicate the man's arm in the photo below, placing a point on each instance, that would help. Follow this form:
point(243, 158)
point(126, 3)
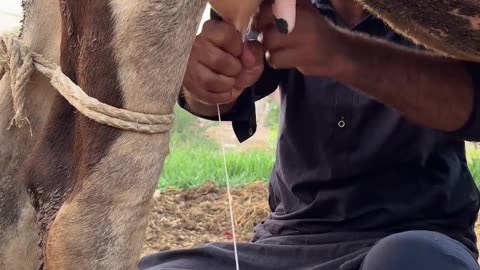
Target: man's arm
point(433, 91)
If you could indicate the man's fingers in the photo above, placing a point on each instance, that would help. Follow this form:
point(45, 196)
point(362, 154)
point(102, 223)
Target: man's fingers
point(273, 39)
point(252, 54)
point(282, 59)
point(304, 3)
point(216, 59)
point(253, 62)
point(217, 98)
point(284, 12)
point(264, 18)
point(280, 13)
point(218, 84)
point(205, 79)
point(248, 77)
point(223, 35)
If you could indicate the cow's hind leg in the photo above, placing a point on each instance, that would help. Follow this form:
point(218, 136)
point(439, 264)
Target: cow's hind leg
point(18, 229)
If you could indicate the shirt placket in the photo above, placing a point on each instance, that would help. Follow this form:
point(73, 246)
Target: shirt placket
point(343, 113)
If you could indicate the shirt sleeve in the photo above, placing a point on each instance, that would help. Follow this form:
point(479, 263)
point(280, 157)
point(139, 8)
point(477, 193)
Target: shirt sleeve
point(471, 130)
point(243, 115)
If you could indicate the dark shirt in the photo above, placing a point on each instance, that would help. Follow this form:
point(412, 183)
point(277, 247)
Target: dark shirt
point(347, 163)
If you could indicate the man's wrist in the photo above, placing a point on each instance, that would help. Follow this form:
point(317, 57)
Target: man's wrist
point(346, 62)
point(343, 62)
point(200, 108)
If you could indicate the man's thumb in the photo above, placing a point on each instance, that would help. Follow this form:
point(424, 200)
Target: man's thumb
point(252, 59)
point(252, 54)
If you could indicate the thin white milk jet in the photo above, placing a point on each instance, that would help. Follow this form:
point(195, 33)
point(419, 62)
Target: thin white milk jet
point(230, 200)
point(240, 14)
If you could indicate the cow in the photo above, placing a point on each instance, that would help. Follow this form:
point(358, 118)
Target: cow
point(87, 184)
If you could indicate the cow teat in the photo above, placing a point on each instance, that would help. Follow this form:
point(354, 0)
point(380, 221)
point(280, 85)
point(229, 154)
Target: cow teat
point(237, 13)
point(240, 13)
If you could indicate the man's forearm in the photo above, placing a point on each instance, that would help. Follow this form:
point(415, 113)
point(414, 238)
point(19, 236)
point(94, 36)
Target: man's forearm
point(432, 91)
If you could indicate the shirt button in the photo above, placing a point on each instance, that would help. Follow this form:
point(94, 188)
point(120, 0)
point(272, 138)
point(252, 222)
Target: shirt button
point(250, 131)
point(341, 123)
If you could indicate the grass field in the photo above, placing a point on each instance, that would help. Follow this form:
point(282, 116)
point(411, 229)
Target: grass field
point(194, 162)
point(473, 157)
point(195, 159)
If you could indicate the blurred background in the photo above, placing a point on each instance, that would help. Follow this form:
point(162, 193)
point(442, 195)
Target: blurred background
point(10, 15)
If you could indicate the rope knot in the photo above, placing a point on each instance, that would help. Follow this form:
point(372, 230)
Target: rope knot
point(16, 64)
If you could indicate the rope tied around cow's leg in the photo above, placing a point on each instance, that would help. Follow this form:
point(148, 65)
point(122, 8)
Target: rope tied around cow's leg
point(17, 63)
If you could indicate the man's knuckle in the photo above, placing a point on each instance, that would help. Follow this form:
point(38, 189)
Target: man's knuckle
point(225, 97)
point(208, 82)
point(210, 55)
point(205, 80)
point(208, 28)
point(231, 67)
point(229, 83)
point(272, 61)
point(199, 45)
point(223, 39)
point(236, 67)
point(214, 84)
point(217, 60)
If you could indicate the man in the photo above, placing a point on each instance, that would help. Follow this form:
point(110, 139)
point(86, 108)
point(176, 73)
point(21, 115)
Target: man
point(370, 171)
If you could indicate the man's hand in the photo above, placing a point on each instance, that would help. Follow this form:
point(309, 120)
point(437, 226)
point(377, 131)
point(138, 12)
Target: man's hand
point(313, 47)
point(431, 91)
point(220, 67)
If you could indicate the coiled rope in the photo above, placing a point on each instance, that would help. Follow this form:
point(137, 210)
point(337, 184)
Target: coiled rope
point(17, 64)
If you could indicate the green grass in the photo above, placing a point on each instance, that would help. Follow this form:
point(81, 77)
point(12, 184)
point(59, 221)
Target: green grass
point(473, 158)
point(272, 123)
point(194, 159)
point(191, 165)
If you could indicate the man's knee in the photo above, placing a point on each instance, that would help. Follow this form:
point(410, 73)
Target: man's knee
point(419, 250)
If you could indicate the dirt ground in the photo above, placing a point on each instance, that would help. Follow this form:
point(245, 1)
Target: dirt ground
point(195, 217)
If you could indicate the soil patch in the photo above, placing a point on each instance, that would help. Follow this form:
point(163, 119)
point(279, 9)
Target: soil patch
point(187, 219)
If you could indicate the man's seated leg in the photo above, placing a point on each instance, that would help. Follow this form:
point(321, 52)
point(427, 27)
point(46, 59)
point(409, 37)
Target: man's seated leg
point(201, 258)
point(276, 253)
point(419, 250)
point(221, 256)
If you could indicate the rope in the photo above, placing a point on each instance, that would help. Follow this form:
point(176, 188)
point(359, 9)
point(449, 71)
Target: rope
point(17, 63)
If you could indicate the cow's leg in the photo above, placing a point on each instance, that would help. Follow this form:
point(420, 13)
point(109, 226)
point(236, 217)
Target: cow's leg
point(18, 231)
point(129, 54)
point(18, 234)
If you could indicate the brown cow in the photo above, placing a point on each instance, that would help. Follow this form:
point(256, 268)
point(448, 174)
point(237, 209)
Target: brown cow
point(90, 184)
